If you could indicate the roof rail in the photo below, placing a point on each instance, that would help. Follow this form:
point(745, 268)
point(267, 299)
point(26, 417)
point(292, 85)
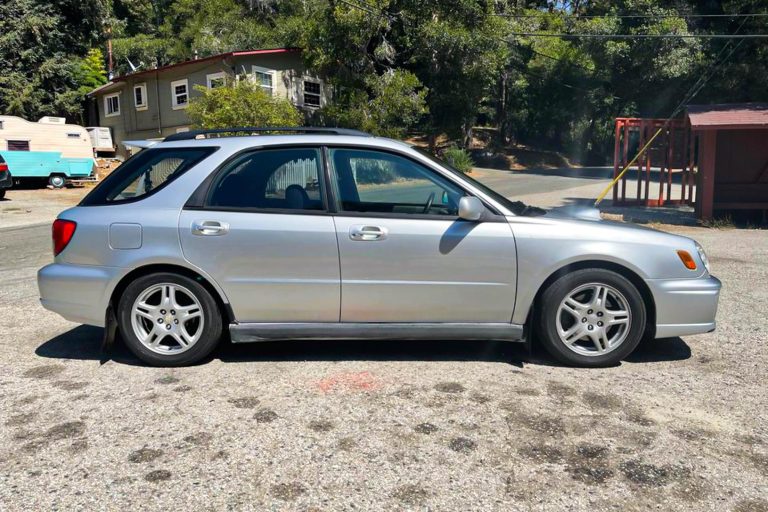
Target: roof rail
point(226, 132)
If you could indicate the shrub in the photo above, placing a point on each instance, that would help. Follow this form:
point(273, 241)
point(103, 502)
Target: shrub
point(459, 158)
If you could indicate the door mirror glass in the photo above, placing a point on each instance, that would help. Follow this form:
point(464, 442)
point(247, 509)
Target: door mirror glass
point(471, 208)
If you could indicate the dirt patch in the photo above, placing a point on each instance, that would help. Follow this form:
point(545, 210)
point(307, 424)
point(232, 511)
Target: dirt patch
point(66, 430)
point(480, 398)
point(560, 390)
point(321, 426)
point(44, 372)
point(552, 426)
point(18, 420)
point(182, 389)
point(651, 475)
point(411, 494)
point(541, 453)
point(425, 428)
point(591, 451)
point(78, 446)
point(265, 416)
point(690, 434)
point(158, 475)
point(590, 474)
point(350, 382)
point(602, 401)
point(450, 387)
point(638, 418)
point(167, 379)
point(288, 491)
point(347, 444)
point(248, 402)
point(199, 439)
point(758, 505)
point(144, 455)
point(69, 385)
point(462, 445)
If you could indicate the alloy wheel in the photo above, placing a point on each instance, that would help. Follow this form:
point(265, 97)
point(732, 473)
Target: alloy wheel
point(167, 318)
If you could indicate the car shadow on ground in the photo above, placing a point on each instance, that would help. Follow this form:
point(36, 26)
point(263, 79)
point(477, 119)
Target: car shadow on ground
point(85, 343)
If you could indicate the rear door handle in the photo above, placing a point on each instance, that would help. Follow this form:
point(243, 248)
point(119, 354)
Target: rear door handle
point(363, 233)
point(209, 228)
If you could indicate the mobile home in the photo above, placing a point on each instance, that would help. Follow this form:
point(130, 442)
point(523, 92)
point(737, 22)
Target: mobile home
point(48, 150)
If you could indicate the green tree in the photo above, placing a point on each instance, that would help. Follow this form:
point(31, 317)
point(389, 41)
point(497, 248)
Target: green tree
point(390, 105)
point(242, 103)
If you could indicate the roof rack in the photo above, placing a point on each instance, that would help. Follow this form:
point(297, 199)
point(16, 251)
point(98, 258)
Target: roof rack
point(226, 132)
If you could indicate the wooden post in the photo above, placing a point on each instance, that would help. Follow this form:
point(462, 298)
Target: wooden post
point(705, 186)
point(617, 135)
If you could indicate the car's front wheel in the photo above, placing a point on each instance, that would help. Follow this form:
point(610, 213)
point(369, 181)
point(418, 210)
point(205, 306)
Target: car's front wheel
point(169, 320)
point(591, 317)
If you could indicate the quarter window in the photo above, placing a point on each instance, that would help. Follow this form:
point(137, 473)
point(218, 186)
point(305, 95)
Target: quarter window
point(384, 183)
point(112, 105)
point(265, 78)
point(279, 179)
point(140, 97)
point(147, 171)
point(180, 94)
point(311, 93)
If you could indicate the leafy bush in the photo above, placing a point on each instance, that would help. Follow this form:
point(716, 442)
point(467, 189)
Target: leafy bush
point(459, 158)
point(242, 103)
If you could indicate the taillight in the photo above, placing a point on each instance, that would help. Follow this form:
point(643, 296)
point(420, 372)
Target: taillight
point(3, 167)
point(63, 230)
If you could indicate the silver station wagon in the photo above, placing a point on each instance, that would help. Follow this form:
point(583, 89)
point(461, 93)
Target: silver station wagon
point(310, 233)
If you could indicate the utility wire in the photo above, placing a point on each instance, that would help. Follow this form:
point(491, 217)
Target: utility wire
point(640, 36)
point(627, 16)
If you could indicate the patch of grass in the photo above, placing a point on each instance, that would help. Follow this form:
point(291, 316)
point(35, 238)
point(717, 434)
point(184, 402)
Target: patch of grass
point(719, 223)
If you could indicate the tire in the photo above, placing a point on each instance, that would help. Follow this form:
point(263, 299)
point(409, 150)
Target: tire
point(191, 322)
point(57, 181)
point(583, 332)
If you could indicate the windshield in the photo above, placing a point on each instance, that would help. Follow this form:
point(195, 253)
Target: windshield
point(516, 207)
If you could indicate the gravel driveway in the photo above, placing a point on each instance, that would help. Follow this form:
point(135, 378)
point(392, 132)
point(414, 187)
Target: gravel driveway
point(330, 426)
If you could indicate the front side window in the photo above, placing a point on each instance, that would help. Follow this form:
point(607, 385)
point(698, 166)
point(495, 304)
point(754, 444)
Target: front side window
point(140, 96)
point(180, 94)
point(279, 179)
point(369, 181)
point(112, 105)
point(311, 93)
point(146, 172)
point(265, 78)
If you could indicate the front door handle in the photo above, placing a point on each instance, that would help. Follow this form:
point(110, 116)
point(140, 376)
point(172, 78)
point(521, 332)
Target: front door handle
point(365, 233)
point(209, 228)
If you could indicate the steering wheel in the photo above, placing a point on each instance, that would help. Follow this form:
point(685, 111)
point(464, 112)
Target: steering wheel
point(428, 205)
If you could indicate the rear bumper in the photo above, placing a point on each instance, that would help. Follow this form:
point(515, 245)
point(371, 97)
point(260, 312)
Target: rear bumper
point(685, 306)
point(79, 293)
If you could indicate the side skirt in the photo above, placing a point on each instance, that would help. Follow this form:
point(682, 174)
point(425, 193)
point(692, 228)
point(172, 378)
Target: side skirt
point(250, 332)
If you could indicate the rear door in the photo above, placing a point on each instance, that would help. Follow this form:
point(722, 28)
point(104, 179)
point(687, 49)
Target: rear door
point(263, 232)
point(405, 255)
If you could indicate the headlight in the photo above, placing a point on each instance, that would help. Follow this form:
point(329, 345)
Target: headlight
point(703, 257)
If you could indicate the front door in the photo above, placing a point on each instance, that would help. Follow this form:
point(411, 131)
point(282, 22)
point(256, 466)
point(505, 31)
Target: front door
point(405, 255)
point(265, 235)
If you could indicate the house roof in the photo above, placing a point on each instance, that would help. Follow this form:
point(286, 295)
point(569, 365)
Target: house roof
point(242, 53)
point(732, 116)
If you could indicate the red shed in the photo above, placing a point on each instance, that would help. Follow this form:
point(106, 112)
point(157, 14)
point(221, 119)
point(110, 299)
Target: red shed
point(732, 157)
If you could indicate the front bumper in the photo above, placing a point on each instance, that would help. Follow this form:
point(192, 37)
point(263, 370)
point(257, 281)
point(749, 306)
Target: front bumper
point(685, 306)
point(79, 293)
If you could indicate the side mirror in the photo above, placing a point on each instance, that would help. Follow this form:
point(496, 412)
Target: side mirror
point(471, 208)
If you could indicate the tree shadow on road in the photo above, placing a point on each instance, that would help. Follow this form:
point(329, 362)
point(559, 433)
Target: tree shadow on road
point(85, 343)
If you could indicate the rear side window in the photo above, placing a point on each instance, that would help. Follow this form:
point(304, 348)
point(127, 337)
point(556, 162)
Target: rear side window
point(145, 173)
point(270, 179)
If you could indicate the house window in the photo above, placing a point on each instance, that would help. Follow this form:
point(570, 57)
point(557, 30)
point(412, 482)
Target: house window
point(140, 96)
point(112, 105)
point(265, 78)
point(180, 94)
point(216, 80)
point(311, 93)
point(18, 145)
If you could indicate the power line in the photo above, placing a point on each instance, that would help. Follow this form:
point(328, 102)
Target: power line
point(629, 16)
point(640, 36)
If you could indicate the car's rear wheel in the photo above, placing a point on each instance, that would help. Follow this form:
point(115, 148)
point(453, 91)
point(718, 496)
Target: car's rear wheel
point(591, 317)
point(169, 320)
